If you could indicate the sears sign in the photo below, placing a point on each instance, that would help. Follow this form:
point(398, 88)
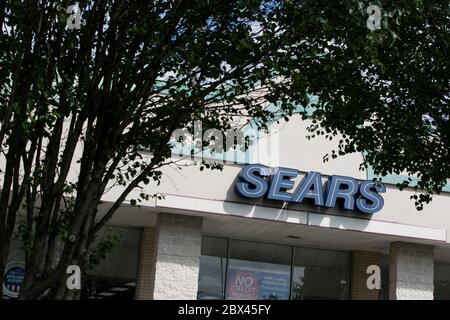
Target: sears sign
point(257, 181)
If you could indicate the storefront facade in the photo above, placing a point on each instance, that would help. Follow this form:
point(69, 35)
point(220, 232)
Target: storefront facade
point(205, 240)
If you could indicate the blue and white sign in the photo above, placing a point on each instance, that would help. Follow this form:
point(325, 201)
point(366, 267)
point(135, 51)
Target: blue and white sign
point(12, 280)
point(256, 181)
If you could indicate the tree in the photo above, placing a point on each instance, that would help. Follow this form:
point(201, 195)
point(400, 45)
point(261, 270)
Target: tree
point(386, 90)
point(121, 81)
point(134, 71)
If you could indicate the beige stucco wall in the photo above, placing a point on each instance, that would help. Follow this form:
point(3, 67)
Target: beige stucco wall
point(295, 151)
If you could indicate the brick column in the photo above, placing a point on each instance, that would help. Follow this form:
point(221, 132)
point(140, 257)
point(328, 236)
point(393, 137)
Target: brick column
point(146, 265)
point(360, 261)
point(411, 271)
point(178, 244)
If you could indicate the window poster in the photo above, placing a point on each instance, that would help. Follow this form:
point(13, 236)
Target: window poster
point(246, 283)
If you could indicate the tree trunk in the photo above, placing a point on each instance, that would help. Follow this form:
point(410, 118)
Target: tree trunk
point(4, 251)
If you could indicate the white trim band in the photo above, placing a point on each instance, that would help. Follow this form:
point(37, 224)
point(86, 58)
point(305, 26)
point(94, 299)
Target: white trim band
point(299, 217)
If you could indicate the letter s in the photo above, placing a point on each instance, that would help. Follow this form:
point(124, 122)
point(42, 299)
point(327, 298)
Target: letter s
point(252, 184)
point(370, 201)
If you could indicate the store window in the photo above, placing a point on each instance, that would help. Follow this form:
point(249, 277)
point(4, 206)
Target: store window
point(441, 281)
point(384, 266)
point(211, 282)
point(114, 276)
point(263, 271)
point(258, 271)
point(320, 274)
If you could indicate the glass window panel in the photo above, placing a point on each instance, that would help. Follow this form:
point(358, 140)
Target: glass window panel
point(441, 281)
point(115, 276)
point(258, 271)
point(384, 268)
point(320, 274)
point(211, 280)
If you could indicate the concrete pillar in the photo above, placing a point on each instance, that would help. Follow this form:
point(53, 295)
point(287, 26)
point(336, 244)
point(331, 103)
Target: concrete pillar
point(146, 266)
point(411, 271)
point(178, 249)
point(169, 258)
point(360, 261)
